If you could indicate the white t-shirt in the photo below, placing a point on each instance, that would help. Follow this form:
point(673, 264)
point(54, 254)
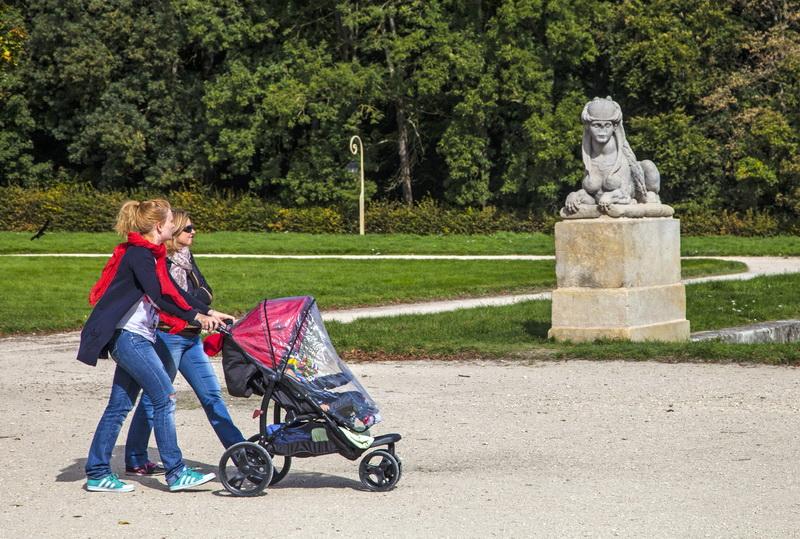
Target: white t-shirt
point(141, 318)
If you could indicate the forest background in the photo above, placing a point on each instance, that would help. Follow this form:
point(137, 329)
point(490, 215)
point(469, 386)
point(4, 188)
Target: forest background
point(462, 105)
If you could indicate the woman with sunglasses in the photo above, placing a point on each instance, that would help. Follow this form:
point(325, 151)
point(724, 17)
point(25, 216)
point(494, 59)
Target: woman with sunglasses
point(185, 353)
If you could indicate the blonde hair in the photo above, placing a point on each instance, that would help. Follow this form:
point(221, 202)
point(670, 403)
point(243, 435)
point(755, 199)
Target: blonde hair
point(141, 217)
point(181, 218)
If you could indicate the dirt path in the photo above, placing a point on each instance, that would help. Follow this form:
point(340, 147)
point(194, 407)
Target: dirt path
point(490, 450)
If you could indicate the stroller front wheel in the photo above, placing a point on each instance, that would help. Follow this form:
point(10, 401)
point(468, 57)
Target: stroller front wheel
point(279, 471)
point(245, 469)
point(379, 471)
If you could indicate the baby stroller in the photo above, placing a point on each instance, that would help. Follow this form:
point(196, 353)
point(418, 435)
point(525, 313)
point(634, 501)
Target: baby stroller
point(281, 351)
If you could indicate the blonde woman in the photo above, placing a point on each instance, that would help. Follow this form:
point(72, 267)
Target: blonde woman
point(132, 292)
point(184, 351)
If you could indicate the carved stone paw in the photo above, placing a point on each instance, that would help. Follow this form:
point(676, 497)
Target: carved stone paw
point(573, 202)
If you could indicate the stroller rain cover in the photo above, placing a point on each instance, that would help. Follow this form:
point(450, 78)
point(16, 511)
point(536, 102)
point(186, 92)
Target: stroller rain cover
point(287, 335)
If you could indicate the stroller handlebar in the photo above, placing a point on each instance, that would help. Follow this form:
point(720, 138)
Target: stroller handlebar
point(222, 329)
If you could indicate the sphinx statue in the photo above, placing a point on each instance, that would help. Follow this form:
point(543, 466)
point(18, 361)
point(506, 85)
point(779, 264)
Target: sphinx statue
point(614, 182)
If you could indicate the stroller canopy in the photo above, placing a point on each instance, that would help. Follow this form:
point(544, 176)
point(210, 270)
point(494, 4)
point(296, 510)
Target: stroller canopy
point(268, 332)
point(287, 335)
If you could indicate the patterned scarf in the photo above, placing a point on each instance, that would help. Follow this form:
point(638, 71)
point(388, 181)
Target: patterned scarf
point(181, 267)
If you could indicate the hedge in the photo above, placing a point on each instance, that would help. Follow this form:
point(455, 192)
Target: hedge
point(82, 208)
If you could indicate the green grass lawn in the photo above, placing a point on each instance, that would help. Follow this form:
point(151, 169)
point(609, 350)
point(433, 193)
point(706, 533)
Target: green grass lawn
point(46, 294)
point(293, 243)
point(50, 293)
point(738, 246)
point(520, 331)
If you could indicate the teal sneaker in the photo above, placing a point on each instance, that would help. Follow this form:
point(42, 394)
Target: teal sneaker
point(109, 483)
point(190, 479)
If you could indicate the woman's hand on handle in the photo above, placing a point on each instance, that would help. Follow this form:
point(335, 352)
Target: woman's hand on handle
point(224, 318)
point(208, 322)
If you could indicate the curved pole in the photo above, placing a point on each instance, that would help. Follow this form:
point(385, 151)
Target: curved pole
point(358, 149)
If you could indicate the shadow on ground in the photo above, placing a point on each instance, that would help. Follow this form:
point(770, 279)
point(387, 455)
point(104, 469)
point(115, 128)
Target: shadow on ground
point(307, 480)
point(536, 328)
point(75, 472)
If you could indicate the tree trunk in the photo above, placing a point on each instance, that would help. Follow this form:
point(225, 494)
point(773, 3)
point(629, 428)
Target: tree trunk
point(404, 153)
point(402, 125)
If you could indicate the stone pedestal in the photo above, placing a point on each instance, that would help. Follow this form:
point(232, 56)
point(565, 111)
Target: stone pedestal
point(619, 278)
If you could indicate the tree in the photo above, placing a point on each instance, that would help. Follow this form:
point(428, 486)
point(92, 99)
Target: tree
point(538, 52)
point(113, 93)
point(16, 124)
point(468, 102)
point(753, 109)
point(282, 108)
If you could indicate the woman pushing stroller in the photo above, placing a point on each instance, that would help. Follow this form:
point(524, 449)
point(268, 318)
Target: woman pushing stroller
point(132, 292)
point(184, 352)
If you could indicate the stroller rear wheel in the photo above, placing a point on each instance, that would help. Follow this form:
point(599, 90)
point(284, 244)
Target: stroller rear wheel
point(379, 471)
point(245, 469)
point(279, 470)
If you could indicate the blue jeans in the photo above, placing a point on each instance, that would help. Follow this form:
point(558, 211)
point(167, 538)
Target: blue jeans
point(138, 367)
point(185, 354)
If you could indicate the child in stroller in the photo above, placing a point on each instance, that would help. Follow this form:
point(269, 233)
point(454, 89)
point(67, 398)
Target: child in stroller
point(281, 350)
point(350, 407)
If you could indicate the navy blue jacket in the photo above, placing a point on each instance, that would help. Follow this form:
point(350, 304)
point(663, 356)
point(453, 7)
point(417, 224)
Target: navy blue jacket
point(135, 276)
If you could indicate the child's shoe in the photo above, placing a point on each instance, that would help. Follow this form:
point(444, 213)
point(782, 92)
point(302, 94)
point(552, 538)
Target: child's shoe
point(190, 479)
point(109, 483)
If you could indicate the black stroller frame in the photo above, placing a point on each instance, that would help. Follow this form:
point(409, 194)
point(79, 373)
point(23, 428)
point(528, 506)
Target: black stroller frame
point(247, 468)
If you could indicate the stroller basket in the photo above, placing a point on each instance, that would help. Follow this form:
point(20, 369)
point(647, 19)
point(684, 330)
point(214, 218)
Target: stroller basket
point(306, 440)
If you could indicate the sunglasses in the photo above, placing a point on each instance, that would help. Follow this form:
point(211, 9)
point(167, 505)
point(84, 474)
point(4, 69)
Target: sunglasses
point(188, 228)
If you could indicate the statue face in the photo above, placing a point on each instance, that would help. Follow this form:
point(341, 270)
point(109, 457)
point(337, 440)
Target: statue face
point(601, 130)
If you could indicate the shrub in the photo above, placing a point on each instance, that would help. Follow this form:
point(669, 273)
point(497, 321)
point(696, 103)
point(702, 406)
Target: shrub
point(69, 207)
point(312, 220)
point(81, 208)
point(699, 220)
point(428, 217)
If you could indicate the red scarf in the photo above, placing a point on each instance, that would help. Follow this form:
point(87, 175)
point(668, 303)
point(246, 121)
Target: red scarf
point(167, 288)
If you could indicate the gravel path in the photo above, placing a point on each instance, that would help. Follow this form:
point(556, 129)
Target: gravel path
point(524, 449)
point(528, 449)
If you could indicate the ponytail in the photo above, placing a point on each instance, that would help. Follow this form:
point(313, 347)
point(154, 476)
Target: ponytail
point(126, 219)
point(141, 217)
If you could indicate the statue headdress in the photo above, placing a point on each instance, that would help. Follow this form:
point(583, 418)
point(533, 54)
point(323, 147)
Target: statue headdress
point(604, 110)
point(608, 110)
